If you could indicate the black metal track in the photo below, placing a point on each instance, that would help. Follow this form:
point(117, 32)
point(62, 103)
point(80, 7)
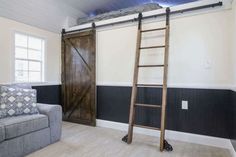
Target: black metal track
point(149, 17)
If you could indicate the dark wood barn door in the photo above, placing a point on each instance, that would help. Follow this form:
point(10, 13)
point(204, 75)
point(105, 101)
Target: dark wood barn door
point(78, 77)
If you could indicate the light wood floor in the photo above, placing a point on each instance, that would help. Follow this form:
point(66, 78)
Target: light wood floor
point(83, 141)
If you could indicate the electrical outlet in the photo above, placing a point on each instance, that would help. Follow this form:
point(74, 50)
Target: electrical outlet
point(184, 105)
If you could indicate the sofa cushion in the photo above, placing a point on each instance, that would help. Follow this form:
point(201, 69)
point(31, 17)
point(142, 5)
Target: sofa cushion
point(21, 125)
point(2, 133)
point(17, 101)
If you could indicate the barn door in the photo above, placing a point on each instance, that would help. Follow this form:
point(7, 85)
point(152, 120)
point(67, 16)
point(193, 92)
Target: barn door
point(78, 77)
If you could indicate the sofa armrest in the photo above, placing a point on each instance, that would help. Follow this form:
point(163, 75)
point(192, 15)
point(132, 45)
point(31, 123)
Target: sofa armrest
point(54, 113)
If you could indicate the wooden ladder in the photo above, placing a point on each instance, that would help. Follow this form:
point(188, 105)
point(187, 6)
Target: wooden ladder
point(128, 138)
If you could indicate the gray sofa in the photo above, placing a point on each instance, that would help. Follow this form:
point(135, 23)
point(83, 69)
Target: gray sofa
point(25, 134)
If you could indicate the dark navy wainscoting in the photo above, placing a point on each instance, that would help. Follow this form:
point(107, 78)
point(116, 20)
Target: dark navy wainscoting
point(50, 94)
point(211, 112)
point(208, 113)
point(233, 120)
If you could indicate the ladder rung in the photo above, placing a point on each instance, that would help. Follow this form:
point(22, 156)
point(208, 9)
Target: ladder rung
point(148, 105)
point(146, 66)
point(151, 30)
point(146, 127)
point(153, 47)
point(149, 85)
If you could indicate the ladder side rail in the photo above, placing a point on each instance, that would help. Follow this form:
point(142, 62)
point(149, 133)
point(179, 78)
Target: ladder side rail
point(135, 81)
point(164, 91)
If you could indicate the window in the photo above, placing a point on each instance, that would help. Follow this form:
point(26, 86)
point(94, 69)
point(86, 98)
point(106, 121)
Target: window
point(29, 58)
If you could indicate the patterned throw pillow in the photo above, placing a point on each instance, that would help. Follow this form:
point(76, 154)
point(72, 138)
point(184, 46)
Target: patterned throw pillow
point(17, 101)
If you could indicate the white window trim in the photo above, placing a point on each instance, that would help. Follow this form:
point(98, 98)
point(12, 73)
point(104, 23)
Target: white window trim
point(44, 61)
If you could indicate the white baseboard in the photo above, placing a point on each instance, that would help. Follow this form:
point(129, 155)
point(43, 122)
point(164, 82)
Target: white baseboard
point(173, 135)
point(232, 151)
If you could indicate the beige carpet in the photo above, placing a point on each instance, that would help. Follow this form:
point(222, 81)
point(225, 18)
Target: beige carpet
point(83, 141)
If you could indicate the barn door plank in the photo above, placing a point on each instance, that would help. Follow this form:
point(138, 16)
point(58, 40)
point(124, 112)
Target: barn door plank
point(78, 77)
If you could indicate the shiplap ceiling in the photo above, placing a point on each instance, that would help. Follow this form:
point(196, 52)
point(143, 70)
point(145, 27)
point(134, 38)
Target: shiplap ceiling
point(90, 6)
point(53, 15)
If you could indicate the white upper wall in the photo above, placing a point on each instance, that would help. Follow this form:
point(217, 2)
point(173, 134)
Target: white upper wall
point(201, 49)
point(200, 52)
point(52, 54)
point(234, 43)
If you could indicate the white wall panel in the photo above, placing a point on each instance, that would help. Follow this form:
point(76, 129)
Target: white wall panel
point(234, 44)
point(200, 52)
